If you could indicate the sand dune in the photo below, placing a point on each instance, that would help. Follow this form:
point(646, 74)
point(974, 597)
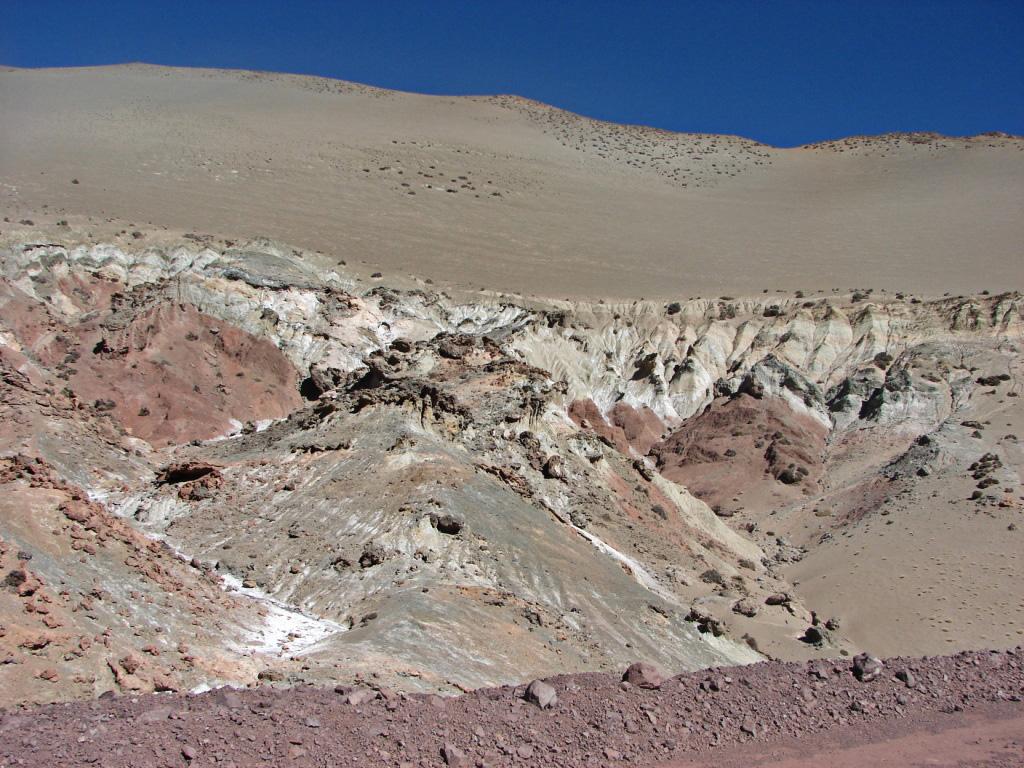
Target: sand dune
point(502, 192)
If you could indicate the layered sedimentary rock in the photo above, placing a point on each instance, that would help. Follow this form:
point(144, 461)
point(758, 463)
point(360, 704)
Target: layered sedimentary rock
point(441, 492)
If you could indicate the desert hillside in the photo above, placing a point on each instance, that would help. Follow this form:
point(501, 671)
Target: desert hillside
point(349, 425)
point(233, 466)
point(504, 193)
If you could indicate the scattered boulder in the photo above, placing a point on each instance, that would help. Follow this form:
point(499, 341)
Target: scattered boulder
point(706, 622)
point(542, 694)
point(789, 476)
point(456, 347)
point(553, 469)
point(373, 554)
point(906, 677)
point(866, 667)
point(745, 607)
point(813, 635)
point(453, 756)
point(643, 675)
point(445, 523)
point(360, 696)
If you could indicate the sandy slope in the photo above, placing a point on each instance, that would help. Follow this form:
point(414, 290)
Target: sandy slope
point(509, 194)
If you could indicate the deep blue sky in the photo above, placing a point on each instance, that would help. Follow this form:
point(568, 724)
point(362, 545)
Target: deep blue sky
point(781, 72)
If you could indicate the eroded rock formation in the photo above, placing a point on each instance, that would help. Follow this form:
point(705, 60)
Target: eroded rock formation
point(441, 492)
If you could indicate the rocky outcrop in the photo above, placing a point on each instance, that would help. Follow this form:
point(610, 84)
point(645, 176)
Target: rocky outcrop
point(389, 480)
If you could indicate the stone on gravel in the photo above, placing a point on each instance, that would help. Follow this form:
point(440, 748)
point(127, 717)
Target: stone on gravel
point(644, 675)
point(906, 677)
point(361, 696)
point(542, 694)
point(228, 698)
point(866, 667)
point(453, 756)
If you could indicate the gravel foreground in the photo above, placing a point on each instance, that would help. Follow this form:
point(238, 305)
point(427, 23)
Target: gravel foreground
point(592, 720)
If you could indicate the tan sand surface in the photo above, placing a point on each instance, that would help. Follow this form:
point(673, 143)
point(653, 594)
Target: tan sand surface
point(509, 194)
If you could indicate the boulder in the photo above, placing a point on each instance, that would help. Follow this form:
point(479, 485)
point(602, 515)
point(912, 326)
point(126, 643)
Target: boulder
point(866, 667)
point(553, 469)
point(813, 635)
point(453, 756)
point(745, 607)
point(446, 523)
point(542, 694)
point(644, 675)
point(907, 677)
point(360, 696)
point(373, 554)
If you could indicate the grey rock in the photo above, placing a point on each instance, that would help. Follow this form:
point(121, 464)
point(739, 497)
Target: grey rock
point(907, 677)
point(866, 667)
point(542, 694)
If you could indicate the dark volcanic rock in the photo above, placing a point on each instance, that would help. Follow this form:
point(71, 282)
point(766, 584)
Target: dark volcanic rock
point(448, 524)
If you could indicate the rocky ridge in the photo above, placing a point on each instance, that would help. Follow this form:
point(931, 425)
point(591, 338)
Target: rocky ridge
point(568, 720)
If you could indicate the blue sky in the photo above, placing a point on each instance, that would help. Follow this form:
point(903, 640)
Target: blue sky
point(782, 72)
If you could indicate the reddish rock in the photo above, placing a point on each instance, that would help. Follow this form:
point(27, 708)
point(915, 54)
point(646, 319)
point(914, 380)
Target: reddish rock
point(643, 675)
point(454, 757)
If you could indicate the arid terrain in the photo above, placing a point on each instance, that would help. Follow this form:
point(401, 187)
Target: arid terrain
point(309, 386)
point(947, 712)
point(504, 193)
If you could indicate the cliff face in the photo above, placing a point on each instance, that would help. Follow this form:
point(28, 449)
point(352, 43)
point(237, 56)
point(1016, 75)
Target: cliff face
point(447, 492)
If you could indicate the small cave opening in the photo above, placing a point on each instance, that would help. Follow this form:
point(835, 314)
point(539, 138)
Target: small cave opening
point(309, 389)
